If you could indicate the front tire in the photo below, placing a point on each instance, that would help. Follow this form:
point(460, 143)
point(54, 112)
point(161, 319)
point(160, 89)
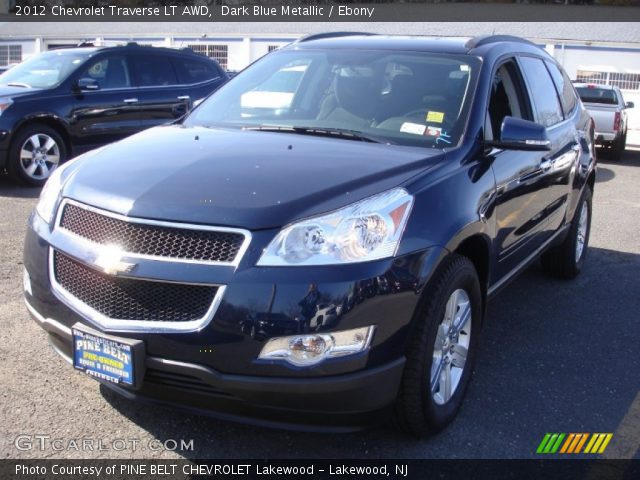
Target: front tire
point(442, 351)
point(567, 259)
point(35, 153)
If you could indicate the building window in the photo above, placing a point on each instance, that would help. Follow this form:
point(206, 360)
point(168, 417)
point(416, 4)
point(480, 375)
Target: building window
point(624, 81)
point(10, 54)
point(220, 53)
point(271, 48)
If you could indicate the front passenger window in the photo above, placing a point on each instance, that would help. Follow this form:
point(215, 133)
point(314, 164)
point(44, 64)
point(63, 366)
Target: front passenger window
point(505, 101)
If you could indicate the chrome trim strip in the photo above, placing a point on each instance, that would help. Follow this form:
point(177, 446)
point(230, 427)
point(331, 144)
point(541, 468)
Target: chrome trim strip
point(125, 325)
point(176, 225)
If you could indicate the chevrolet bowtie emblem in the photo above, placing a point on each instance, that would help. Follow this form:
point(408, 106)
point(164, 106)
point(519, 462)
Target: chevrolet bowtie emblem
point(110, 262)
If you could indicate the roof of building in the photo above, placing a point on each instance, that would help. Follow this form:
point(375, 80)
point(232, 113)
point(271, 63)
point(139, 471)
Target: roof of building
point(583, 32)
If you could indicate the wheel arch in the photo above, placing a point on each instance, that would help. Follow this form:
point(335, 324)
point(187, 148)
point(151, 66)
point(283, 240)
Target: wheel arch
point(51, 121)
point(477, 249)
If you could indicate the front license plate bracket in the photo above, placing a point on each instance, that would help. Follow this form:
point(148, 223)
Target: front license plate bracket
point(108, 358)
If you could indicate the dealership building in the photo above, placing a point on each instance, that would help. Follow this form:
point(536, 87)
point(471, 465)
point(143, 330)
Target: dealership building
point(596, 52)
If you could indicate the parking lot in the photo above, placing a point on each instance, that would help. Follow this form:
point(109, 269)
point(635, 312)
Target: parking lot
point(555, 356)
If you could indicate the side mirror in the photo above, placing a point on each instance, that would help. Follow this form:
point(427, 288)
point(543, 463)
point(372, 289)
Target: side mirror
point(87, 84)
point(629, 105)
point(518, 134)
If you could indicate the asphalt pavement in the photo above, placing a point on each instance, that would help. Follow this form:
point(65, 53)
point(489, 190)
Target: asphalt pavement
point(555, 356)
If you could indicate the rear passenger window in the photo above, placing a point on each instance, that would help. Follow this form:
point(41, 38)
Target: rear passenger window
point(543, 91)
point(194, 71)
point(564, 86)
point(154, 71)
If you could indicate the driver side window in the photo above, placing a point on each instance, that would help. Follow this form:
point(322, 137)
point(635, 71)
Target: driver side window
point(108, 73)
point(507, 100)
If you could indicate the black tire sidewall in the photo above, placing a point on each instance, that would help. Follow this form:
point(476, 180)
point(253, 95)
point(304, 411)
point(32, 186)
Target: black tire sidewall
point(586, 197)
point(416, 411)
point(15, 170)
point(440, 415)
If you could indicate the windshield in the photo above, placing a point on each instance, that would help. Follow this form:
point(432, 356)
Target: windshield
point(598, 95)
point(406, 98)
point(44, 70)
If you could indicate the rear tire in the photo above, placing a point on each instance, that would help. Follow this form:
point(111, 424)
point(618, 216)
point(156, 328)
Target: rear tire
point(567, 259)
point(36, 151)
point(442, 347)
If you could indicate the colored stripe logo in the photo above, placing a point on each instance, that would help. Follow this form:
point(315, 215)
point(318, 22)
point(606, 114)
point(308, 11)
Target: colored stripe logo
point(574, 443)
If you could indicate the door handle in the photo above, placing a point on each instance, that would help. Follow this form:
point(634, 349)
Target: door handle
point(184, 97)
point(130, 100)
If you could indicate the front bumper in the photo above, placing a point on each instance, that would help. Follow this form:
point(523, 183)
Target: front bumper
point(215, 370)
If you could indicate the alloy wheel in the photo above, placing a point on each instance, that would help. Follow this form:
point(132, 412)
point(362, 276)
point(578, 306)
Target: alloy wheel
point(39, 156)
point(451, 347)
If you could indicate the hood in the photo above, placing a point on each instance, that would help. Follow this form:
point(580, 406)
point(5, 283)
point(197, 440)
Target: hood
point(12, 92)
point(237, 178)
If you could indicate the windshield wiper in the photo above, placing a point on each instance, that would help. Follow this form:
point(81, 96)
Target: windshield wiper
point(16, 84)
point(321, 132)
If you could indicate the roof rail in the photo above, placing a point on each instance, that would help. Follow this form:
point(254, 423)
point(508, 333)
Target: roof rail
point(319, 36)
point(487, 39)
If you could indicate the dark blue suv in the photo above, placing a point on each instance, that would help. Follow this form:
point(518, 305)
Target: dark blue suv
point(61, 103)
point(316, 243)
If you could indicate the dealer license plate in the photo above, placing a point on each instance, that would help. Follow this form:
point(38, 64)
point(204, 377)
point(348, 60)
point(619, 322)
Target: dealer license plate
point(104, 357)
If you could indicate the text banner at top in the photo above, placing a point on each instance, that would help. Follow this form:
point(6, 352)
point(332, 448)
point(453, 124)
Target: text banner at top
point(311, 11)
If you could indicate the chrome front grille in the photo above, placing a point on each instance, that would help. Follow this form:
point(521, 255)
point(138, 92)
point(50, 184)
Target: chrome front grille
point(148, 238)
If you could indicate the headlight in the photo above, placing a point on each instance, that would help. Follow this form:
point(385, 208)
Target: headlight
point(370, 229)
point(309, 349)
point(50, 194)
point(4, 104)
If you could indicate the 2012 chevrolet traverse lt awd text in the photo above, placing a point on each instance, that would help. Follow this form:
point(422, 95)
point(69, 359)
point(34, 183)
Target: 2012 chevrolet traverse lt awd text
point(315, 244)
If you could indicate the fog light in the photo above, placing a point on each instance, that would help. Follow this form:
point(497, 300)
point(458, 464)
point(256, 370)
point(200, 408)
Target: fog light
point(310, 349)
point(26, 282)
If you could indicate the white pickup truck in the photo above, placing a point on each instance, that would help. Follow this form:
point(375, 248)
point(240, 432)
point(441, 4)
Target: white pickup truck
point(609, 112)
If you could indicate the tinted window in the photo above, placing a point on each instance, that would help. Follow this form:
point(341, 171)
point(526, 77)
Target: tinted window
point(194, 71)
point(598, 95)
point(154, 71)
point(108, 72)
point(564, 86)
point(545, 97)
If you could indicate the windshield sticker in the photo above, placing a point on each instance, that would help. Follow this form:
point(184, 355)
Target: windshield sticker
point(437, 117)
point(433, 131)
point(414, 128)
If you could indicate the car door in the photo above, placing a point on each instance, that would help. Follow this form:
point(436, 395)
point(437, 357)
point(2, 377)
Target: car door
point(559, 162)
point(160, 98)
point(103, 109)
point(518, 176)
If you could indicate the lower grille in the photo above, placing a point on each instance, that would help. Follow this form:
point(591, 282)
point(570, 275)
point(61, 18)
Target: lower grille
point(182, 382)
point(129, 299)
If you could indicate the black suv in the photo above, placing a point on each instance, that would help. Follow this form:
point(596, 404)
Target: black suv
point(61, 103)
point(316, 242)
